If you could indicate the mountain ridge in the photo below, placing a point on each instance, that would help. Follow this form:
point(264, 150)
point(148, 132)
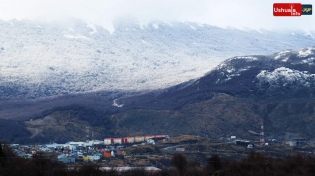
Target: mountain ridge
point(278, 75)
point(40, 60)
point(116, 84)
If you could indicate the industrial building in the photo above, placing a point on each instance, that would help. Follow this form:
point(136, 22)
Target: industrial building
point(132, 139)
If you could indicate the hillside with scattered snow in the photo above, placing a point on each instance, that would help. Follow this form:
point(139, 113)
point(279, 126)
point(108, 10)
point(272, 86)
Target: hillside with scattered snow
point(288, 75)
point(289, 72)
point(46, 60)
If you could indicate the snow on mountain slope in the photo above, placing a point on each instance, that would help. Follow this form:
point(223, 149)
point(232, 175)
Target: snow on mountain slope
point(286, 76)
point(288, 73)
point(43, 60)
point(254, 76)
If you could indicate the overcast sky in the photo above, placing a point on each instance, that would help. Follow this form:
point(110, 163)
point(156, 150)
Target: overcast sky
point(254, 14)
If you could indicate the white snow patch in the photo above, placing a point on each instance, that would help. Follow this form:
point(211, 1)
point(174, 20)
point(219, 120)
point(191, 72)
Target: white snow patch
point(246, 29)
point(259, 31)
point(248, 58)
point(309, 34)
point(142, 25)
point(285, 59)
point(38, 26)
point(305, 52)
point(192, 27)
point(230, 70)
point(293, 33)
point(77, 37)
point(93, 29)
point(70, 29)
point(117, 105)
point(280, 54)
point(127, 29)
point(310, 60)
point(155, 25)
point(199, 24)
point(170, 24)
point(285, 75)
point(243, 69)
point(144, 42)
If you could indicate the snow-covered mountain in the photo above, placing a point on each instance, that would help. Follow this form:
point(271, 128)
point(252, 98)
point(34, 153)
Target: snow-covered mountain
point(288, 71)
point(44, 60)
point(288, 74)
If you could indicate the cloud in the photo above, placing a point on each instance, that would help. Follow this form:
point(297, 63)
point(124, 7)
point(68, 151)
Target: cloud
point(242, 13)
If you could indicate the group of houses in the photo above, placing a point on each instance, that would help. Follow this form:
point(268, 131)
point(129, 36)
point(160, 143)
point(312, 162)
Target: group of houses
point(92, 150)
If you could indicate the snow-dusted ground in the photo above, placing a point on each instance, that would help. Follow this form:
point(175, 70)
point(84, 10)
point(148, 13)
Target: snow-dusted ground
point(284, 70)
point(40, 60)
point(284, 77)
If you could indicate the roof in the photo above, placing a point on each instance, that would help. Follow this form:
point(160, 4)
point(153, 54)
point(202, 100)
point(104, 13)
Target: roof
point(149, 168)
